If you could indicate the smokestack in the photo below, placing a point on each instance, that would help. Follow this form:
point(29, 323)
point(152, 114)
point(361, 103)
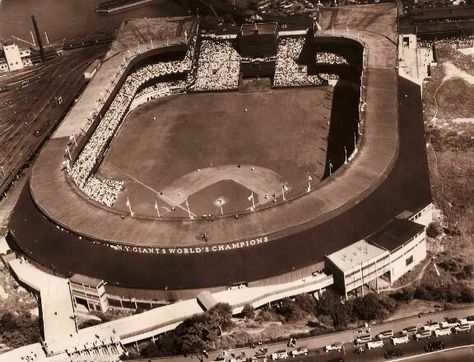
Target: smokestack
point(38, 38)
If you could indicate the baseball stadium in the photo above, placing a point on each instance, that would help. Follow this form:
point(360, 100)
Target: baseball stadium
point(251, 155)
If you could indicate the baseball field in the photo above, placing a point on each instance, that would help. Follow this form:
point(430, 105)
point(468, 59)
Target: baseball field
point(210, 153)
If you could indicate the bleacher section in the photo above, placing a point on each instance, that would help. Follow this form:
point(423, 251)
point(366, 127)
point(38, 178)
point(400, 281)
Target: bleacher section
point(288, 73)
point(218, 66)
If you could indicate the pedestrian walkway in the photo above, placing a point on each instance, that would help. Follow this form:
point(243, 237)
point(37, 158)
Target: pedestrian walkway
point(56, 305)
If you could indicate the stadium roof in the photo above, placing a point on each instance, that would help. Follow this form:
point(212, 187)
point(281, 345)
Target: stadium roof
point(84, 279)
point(206, 299)
point(356, 254)
point(395, 234)
point(258, 28)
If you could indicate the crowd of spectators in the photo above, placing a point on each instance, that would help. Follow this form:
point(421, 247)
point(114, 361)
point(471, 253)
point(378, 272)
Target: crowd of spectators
point(158, 90)
point(218, 66)
point(329, 76)
point(458, 42)
point(81, 172)
point(288, 73)
point(330, 58)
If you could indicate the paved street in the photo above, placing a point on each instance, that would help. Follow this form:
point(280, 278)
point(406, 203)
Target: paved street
point(413, 348)
point(315, 344)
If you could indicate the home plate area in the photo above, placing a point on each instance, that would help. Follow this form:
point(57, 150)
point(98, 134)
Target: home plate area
point(206, 193)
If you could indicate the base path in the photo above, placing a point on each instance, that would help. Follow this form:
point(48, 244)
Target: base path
point(260, 180)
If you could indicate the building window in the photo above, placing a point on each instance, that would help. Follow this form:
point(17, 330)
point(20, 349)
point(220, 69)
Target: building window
point(409, 260)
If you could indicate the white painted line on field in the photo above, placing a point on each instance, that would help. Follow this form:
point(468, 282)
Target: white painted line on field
point(431, 353)
point(157, 193)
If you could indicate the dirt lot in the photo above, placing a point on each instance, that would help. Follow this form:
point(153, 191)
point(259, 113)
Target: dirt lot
point(449, 121)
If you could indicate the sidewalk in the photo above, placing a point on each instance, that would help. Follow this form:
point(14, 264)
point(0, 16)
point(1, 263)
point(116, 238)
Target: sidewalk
point(347, 336)
point(56, 305)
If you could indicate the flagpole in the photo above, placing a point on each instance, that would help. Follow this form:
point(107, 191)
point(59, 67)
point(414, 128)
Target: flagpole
point(345, 154)
point(220, 205)
point(309, 183)
point(130, 207)
point(251, 197)
point(157, 209)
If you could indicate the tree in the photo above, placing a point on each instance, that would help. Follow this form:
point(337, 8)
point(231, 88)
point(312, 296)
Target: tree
point(19, 330)
point(289, 310)
point(221, 313)
point(330, 305)
point(404, 295)
point(193, 335)
point(306, 302)
point(368, 307)
point(248, 311)
point(434, 229)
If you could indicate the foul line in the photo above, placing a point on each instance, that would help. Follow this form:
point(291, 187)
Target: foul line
point(167, 199)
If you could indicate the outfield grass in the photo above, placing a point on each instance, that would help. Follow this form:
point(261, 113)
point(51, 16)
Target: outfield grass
point(284, 131)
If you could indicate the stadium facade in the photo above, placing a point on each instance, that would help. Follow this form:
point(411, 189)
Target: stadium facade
point(373, 203)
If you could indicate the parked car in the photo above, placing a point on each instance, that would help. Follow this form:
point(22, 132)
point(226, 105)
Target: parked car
point(442, 332)
point(384, 335)
point(363, 339)
point(279, 355)
point(434, 346)
point(462, 328)
point(422, 334)
point(301, 351)
point(400, 339)
point(378, 343)
point(431, 326)
point(449, 323)
point(338, 346)
point(391, 353)
point(291, 342)
point(470, 320)
point(409, 330)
